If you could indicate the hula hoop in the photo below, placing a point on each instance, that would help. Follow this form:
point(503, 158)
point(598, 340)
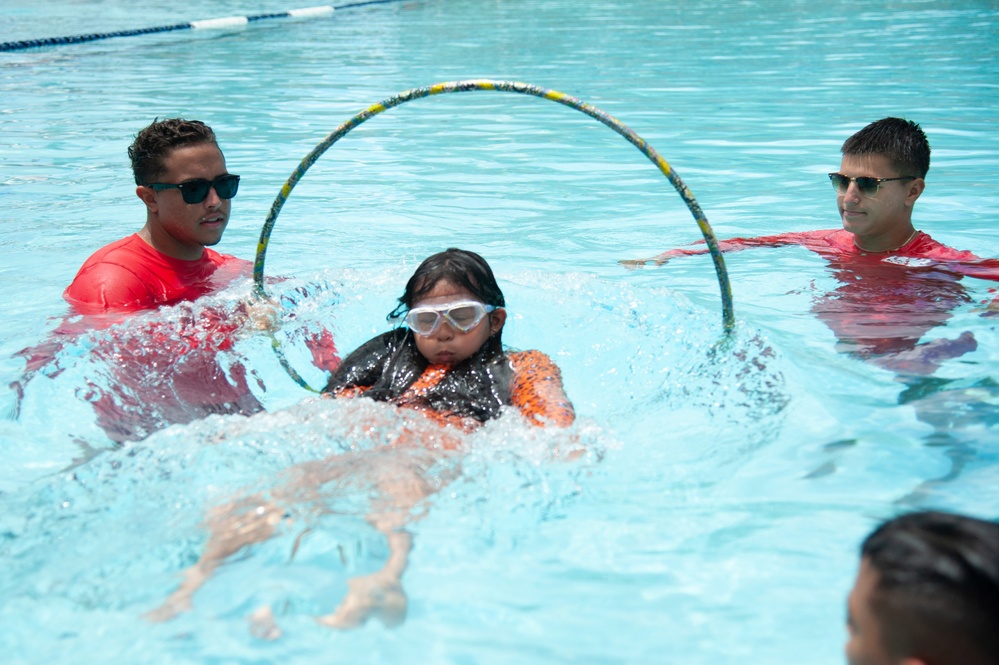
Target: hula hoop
point(728, 316)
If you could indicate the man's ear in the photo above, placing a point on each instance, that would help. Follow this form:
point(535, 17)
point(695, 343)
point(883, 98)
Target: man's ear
point(916, 188)
point(496, 320)
point(147, 196)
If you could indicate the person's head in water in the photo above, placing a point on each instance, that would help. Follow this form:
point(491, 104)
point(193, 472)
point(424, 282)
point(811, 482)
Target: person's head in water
point(927, 593)
point(181, 177)
point(880, 177)
point(453, 306)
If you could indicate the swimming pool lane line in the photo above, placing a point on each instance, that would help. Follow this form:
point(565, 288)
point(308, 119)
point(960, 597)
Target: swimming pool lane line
point(728, 316)
point(206, 24)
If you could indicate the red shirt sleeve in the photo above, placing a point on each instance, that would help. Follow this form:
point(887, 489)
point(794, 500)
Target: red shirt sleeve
point(738, 244)
point(106, 286)
point(129, 275)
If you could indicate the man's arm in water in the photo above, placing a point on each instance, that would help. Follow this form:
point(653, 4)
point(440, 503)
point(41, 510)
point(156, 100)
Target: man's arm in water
point(730, 245)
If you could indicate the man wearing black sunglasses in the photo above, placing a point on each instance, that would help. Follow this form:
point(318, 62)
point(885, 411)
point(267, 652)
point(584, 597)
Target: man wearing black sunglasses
point(179, 369)
point(181, 178)
point(896, 283)
point(163, 373)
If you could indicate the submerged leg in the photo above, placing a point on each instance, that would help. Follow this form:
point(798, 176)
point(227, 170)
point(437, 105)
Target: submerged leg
point(232, 527)
point(262, 624)
point(926, 358)
point(400, 480)
point(380, 594)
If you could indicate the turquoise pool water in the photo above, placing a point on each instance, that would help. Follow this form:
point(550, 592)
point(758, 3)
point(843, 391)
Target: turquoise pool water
point(720, 510)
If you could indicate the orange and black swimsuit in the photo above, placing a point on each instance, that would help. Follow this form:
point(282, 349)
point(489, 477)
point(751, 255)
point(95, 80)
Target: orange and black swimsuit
point(390, 368)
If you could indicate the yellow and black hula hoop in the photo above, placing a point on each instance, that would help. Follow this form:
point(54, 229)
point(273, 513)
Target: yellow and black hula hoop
point(728, 316)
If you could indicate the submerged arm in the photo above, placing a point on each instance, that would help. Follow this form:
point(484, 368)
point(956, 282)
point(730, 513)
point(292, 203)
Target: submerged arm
point(982, 269)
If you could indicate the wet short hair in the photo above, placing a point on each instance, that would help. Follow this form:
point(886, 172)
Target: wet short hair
point(937, 590)
point(903, 142)
point(152, 145)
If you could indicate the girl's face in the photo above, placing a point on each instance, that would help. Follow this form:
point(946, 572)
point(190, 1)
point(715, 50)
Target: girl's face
point(446, 345)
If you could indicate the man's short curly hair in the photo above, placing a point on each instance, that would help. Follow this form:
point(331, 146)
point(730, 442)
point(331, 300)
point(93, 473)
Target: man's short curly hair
point(154, 143)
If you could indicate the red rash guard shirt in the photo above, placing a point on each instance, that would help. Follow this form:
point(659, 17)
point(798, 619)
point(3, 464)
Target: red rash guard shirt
point(129, 275)
point(885, 301)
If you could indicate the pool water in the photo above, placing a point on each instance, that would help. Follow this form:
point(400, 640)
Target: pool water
point(727, 483)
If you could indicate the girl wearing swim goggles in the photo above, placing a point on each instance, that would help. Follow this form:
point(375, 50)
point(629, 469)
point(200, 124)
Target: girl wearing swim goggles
point(462, 316)
point(449, 365)
point(448, 360)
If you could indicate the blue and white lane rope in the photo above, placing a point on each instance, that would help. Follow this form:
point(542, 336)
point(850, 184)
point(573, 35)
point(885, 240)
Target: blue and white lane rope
point(207, 24)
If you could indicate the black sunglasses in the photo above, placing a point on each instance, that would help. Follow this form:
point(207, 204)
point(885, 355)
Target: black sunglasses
point(196, 191)
point(867, 186)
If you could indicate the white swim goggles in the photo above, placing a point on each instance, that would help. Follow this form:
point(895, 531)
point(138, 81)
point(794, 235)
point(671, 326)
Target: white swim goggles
point(463, 315)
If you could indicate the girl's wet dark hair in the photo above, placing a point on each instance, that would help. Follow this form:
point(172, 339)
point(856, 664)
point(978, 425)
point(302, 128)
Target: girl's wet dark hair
point(455, 266)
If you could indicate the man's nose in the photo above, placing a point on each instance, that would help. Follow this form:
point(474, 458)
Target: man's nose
point(852, 191)
point(213, 200)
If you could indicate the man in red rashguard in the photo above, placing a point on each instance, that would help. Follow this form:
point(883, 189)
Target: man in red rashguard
point(182, 179)
point(158, 374)
point(897, 283)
